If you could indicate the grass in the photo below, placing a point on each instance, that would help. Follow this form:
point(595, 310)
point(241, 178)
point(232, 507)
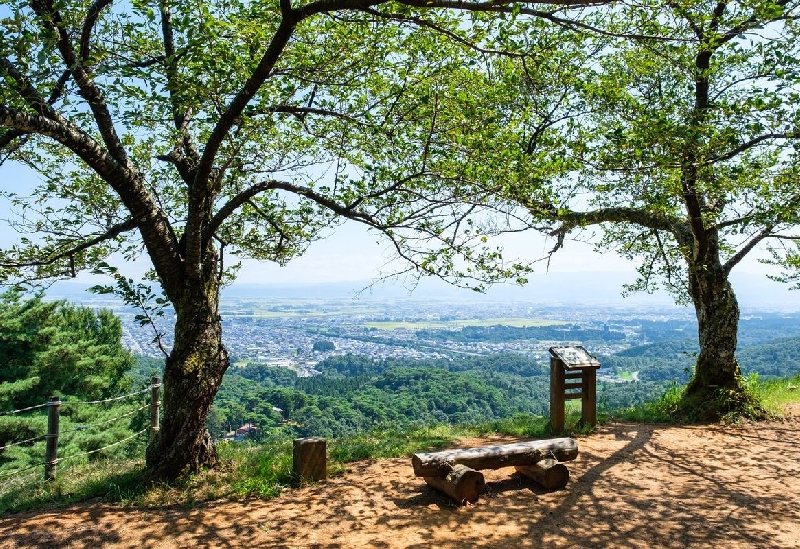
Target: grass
point(264, 470)
point(662, 410)
point(247, 469)
point(775, 394)
point(627, 376)
point(113, 480)
point(767, 398)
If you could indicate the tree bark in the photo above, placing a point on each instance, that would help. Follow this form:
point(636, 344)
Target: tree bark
point(716, 388)
point(192, 375)
point(717, 321)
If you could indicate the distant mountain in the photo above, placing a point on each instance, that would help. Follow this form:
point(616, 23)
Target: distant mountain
point(754, 291)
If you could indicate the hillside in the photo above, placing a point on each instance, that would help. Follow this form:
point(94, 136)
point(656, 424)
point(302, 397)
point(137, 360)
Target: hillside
point(632, 485)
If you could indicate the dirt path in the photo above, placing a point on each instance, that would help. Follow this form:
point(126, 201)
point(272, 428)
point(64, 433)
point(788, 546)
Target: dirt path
point(631, 486)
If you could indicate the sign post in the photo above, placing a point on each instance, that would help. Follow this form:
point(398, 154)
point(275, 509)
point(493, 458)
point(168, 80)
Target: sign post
point(573, 374)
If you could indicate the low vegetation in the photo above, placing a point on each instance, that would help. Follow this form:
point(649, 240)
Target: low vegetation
point(366, 408)
point(264, 469)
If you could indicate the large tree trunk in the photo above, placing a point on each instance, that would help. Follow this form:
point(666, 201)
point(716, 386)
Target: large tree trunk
point(192, 375)
point(717, 320)
point(716, 388)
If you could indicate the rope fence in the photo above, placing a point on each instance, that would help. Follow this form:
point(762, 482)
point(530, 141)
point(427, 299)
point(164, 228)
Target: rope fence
point(90, 452)
point(89, 426)
point(28, 409)
point(51, 438)
point(21, 442)
point(107, 400)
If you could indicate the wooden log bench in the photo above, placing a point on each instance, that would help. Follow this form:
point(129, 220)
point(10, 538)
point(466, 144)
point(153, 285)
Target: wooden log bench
point(456, 472)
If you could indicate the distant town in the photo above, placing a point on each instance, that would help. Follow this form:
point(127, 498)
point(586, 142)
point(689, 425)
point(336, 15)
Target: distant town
point(288, 331)
point(283, 332)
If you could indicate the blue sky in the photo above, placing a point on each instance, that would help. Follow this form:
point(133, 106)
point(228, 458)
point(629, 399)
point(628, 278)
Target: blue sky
point(351, 254)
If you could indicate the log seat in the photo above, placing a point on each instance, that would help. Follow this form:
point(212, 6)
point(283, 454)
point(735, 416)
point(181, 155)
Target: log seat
point(456, 472)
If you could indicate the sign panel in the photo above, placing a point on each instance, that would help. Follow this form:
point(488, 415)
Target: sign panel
point(574, 356)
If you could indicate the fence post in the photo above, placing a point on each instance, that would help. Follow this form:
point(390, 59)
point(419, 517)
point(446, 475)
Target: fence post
point(51, 451)
point(155, 386)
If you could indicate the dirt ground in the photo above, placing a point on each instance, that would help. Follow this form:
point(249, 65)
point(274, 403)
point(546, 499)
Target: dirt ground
point(631, 486)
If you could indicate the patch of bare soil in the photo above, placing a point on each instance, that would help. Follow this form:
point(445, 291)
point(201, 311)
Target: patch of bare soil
point(631, 486)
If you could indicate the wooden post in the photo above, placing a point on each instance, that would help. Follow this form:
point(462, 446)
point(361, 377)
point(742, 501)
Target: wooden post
point(309, 459)
point(155, 386)
point(51, 450)
point(589, 400)
point(556, 395)
point(462, 483)
point(549, 473)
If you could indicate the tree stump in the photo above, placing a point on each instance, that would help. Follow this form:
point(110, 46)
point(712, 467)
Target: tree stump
point(309, 459)
point(548, 472)
point(462, 483)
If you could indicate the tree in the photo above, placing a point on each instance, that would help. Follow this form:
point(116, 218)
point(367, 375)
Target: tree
point(193, 131)
point(323, 346)
point(677, 135)
point(53, 348)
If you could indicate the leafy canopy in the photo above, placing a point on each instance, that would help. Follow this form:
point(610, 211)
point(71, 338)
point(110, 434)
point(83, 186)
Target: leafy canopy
point(677, 133)
point(257, 151)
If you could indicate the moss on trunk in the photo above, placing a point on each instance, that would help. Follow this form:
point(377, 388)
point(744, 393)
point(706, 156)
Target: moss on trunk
point(716, 390)
point(192, 375)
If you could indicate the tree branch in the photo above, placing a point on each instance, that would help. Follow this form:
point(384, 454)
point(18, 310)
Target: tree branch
point(681, 11)
point(418, 21)
point(111, 233)
point(235, 109)
point(511, 7)
point(58, 89)
point(301, 112)
point(571, 219)
point(738, 256)
point(167, 34)
point(75, 139)
point(749, 23)
point(244, 197)
point(664, 258)
point(199, 190)
point(153, 224)
point(27, 92)
point(750, 144)
point(88, 26)
point(7, 138)
point(734, 221)
point(282, 236)
point(52, 21)
point(234, 204)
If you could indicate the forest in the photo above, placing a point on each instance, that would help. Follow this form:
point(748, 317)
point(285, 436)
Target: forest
point(355, 393)
point(76, 353)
